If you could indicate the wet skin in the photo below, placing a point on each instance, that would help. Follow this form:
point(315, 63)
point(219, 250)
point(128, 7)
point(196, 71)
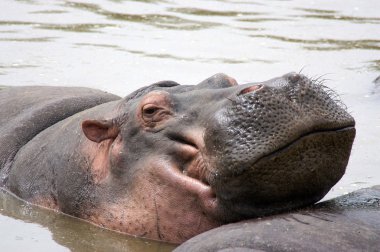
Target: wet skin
point(170, 161)
point(347, 223)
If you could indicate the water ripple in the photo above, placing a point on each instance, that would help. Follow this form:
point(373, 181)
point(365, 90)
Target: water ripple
point(158, 20)
point(328, 44)
point(205, 12)
point(82, 27)
point(35, 39)
point(337, 17)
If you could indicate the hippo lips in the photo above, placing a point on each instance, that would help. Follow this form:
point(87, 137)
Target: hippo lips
point(175, 176)
point(350, 128)
point(288, 170)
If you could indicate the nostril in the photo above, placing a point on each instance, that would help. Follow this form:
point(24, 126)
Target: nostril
point(250, 89)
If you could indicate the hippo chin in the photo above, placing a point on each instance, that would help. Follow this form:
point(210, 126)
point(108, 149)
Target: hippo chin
point(170, 161)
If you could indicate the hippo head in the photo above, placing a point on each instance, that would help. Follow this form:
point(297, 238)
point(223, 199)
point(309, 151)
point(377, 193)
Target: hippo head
point(184, 159)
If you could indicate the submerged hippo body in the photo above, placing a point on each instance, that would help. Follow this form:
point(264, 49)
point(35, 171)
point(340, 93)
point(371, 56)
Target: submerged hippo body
point(347, 223)
point(171, 161)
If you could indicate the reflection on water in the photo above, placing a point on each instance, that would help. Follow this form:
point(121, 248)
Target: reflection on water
point(62, 27)
point(73, 27)
point(317, 11)
point(67, 231)
point(374, 65)
point(16, 66)
point(48, 12)
point(168, 56)
point(345, 18)
point(334, 15)
point(328, 44)
point(159, 20)
point(205, 12)
point(121, 45)
point(255, 20)
point(40, 39)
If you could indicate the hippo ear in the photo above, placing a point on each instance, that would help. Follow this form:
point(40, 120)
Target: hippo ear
point(99, 130)
point(219, 80)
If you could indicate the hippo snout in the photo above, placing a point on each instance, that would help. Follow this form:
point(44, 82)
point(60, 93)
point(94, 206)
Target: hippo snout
point(277, 145)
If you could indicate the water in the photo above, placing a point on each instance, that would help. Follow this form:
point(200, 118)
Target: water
point(24, 227)
point(118, 46)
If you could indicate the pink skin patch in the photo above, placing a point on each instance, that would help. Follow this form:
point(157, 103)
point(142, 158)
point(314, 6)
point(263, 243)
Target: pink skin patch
point(251, 89)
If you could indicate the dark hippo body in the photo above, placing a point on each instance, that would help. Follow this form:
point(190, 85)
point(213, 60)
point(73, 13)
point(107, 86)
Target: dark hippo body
point(170, 161)
point(26, 111)
point(347, 223)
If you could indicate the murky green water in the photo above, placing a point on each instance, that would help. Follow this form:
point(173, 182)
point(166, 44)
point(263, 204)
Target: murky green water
point(118, 46)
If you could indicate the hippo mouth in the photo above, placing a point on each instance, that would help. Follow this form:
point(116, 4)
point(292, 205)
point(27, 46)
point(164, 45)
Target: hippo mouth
point(313, 134)
point(295, 175)
point(347, 128)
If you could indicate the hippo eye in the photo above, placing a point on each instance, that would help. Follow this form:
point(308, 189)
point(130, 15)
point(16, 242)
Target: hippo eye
point(152, 113)
point(155, 109)
point(149, 110)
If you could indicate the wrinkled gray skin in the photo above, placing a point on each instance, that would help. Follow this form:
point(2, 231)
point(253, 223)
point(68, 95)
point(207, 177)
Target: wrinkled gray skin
point(346, 223)
point(171, 161)
point(26, 111)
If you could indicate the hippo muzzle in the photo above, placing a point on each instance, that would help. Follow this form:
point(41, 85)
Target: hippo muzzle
point(276, 146)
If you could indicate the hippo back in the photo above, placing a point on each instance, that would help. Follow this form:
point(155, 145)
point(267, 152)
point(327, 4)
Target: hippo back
point(26, 111)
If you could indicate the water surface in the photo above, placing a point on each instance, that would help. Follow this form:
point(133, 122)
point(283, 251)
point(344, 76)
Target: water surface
point(24, 227)
point(119, 45)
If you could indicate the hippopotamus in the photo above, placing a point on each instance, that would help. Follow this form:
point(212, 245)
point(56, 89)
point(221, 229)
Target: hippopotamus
point(170, 161)
point(346, 223)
